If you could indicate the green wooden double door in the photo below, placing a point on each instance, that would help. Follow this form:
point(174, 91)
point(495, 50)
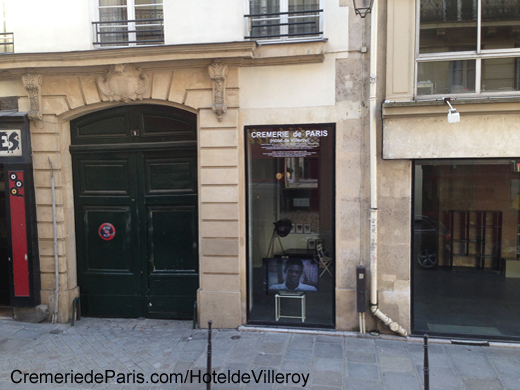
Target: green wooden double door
point(137, 231)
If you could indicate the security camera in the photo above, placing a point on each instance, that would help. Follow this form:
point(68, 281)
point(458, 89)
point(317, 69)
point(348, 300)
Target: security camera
point(453, 116)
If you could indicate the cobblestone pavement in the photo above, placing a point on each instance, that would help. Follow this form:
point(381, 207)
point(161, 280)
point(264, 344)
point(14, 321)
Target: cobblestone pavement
point(153, 349)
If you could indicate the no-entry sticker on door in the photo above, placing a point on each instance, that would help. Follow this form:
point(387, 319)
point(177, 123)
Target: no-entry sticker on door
point(107, 231)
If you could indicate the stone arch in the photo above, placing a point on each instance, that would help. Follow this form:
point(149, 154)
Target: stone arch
point(68, 96)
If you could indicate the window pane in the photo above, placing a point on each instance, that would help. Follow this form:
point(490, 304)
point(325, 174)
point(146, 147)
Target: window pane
point(304, 23)
point(149, 12)
point(448, 26)
point(107, 3)
point(265, 25)
point(112, 14)
point(499, 75)
point(145, 2)
point(465, 271)
point(290, 209)
point(500, 23)
point(446, 77)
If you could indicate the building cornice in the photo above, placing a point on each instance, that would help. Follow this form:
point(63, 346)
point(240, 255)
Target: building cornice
point(247, 53)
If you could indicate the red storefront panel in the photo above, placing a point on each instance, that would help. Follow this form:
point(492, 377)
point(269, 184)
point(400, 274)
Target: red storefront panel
point(19, 234)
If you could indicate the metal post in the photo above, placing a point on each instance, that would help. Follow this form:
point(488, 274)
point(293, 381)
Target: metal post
point(426, 365)
point(208, 385)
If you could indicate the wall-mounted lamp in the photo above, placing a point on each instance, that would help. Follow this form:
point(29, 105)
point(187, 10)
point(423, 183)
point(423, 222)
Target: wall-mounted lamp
point(453, 115)
point(363, 7)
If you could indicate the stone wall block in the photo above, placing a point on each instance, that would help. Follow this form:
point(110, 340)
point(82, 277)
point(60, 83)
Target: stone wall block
point(45, 230)
point(212, 282)
point(225, 265)
point(161, 85)
point(233, 98)
point(209, 119)
point(45, 143)
point(219, 176)
point(211, 304)
point(224, 211)
point(45, 214)
point(179, 83)
point(199, 98)
point(346, 311)
point(70, 87)
point(90, 89)
point(41, 161)
point(43, 179)
point(44, 195)
point(217, 194)
point(220, 229)
point(48, 281)
point(213, 157)
point(54, 105)
point(46, 247)
point(349, 79)
point(200, 79)
point(396, 305)
point(232, 78)
point(218, 138)
point(47, 264)
point(219, 247)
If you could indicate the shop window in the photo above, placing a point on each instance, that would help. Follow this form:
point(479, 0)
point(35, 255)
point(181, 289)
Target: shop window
point(465, 247)
point(468, 32)
point(129, 23)
point(290, 176)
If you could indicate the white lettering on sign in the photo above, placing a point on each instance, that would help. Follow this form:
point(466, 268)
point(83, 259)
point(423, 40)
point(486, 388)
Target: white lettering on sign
point(10, 143)
point(287, 134)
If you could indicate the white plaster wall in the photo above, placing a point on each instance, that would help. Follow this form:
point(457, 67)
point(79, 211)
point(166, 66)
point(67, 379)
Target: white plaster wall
point(47, 26)
point(66, 25)
point(203, 21)
point(288, 85)
point(336, 25)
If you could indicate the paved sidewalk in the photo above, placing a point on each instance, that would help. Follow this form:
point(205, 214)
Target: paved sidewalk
point(153, 349)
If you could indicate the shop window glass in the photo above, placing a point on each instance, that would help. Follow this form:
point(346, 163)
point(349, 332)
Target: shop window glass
point(290, 175)
point(466, 248)
point(446, 77)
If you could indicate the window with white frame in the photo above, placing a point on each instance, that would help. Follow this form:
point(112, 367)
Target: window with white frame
point(469, 47)
point(6, 37)
point(283, 19)
point(129, 23)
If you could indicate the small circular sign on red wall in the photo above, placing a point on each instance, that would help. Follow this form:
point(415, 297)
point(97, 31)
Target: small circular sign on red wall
point(107, 231)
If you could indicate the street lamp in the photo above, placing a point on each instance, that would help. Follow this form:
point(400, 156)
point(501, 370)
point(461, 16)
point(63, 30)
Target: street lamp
point(363, 7)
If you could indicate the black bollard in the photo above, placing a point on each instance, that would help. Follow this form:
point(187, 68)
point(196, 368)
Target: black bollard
point(426, 365)
point(208, 385)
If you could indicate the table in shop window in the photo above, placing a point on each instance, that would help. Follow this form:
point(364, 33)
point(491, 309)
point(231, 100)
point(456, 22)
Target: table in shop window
point(284, 295)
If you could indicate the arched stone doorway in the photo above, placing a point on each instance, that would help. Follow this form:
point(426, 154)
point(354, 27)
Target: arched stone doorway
point(136, 211)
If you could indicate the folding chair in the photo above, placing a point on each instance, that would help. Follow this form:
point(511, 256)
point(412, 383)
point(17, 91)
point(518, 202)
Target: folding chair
point(325, 261)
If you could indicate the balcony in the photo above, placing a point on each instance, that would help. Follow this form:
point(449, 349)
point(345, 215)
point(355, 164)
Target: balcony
point(284, 25)
point(122, 33)
point(6, 43)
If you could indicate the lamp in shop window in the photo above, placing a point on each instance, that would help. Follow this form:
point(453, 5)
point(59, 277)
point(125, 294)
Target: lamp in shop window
point(363, 7)
point(453, 115)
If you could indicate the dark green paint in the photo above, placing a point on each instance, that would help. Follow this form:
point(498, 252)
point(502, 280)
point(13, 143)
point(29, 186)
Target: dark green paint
point(150, 267)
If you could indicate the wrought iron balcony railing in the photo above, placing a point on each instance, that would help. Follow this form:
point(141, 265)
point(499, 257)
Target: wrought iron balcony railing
point(6, 42)
point(288, 25)
point(139, 32)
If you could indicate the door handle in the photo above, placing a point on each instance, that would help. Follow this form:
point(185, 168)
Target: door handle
point(26, 257)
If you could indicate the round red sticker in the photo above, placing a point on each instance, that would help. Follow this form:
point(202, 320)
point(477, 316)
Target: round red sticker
point(107, 231)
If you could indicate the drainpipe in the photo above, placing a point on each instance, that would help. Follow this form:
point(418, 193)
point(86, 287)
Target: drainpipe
point(56, 268)
point(394, 326)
